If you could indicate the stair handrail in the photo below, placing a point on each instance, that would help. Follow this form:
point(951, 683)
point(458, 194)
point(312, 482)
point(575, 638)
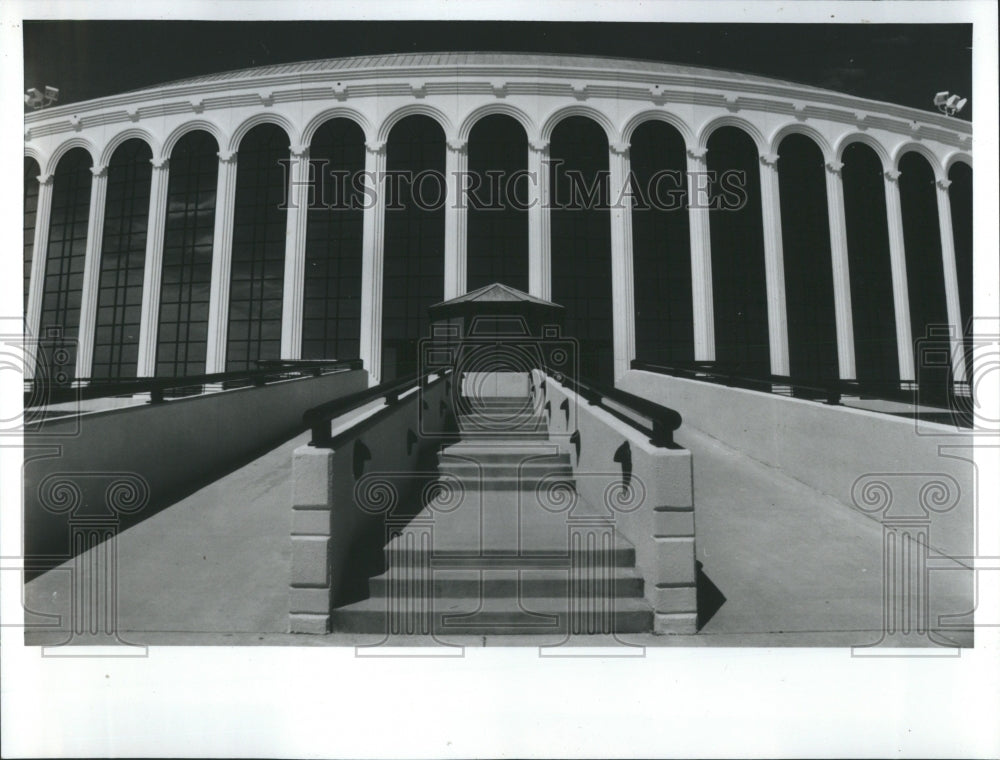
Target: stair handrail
point(44, 391)
point(319, 417)
point(662, 420)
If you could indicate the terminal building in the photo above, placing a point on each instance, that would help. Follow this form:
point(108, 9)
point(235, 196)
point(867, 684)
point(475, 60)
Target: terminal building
point(206, 224)
point(787, 269)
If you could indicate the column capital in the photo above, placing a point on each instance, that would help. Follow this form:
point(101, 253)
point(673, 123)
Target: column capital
point(160, 163)
point(892, 174)
point(227, 156)
point(298, 151)
point(769, 159)
point(834, 167)
point(99, 170)
point(457, 146)
point(619, 148)
point(45, 179)
point(698, 153)
point(943, 184)
point(539, 146)
point(375, 146)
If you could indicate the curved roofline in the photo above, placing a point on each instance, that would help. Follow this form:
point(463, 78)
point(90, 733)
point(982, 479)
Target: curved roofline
point(529, 58)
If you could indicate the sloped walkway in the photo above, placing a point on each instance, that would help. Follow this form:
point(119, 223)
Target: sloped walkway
point(783, 565)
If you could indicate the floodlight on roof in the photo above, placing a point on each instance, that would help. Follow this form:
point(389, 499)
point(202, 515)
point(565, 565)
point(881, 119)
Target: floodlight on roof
point(949, 104)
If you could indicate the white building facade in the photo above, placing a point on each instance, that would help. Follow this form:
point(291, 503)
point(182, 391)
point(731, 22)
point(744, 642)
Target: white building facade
point(199, 226)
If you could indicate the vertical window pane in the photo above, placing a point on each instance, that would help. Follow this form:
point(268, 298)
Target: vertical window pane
point(123, 256)
point(60, 316)
point(258, 247)
point(187, 256)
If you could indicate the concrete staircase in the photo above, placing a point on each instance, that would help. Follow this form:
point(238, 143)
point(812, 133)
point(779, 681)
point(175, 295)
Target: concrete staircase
point(504, 545)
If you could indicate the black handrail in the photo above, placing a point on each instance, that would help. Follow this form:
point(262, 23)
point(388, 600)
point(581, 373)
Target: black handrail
point(94, 388)
point(831, 391)
point(663, 420)
point(318, 418)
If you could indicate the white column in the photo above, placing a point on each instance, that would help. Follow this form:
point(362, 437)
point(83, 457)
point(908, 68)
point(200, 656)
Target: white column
point(951, 279)
point(222, 260)
point(841, 271)
point(91, 272)
point(702, 303)
point(373, 249)
point(153, 268)
point(539, 221)
point(774, 265)
point(36, 283)
point(622, 282)
point(293, 289)
point(456, 215)
point(900, 291)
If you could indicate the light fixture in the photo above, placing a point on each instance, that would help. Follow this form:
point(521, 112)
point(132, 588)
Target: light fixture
point(949, 104)
point(35, 99)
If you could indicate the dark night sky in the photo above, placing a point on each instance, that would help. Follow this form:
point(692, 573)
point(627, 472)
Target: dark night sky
point(899, 63)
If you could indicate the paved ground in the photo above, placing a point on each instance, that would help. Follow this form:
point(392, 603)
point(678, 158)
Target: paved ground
point(783, 565)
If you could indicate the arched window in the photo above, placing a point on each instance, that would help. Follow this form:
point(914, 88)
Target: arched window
point(67, 249)
point(875, 350)
point(581, 241)
point(332, 300)
point(123, 255)
point(661, 245)
point(31, 172)
point(805, 236)
point(924, 268)
point(737, 236)
point(182, 335)
point(960, 198)
point(413, 273)
point(258, 264)
point(498, 215)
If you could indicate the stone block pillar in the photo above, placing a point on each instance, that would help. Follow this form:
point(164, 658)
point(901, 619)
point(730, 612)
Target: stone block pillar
point(153, 275)
point(91, 273)
point(373, 254)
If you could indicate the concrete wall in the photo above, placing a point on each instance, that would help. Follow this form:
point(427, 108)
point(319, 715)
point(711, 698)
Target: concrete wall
point(656, 515)
point(343, 497)
point(860, 458)
point(120, 466)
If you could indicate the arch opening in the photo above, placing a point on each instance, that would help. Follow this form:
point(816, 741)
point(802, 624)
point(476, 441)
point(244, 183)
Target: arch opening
point(581, 241)
point(737, 236)
point(331, 307)
point(186, 280)
point(805, 231)
point(123, 258)
point(64, 264)
point(413, 273)
point(258, 262)
point(497, 203)
point(661, 245)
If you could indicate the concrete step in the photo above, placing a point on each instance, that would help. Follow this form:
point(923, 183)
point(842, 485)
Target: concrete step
point(500, 453)
point(398, 555)
point(524, 482)
point(471, 473)
point(538, 583)
point(485, 617)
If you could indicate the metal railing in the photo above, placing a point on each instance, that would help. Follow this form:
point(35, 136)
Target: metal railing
point(828, 391)
point(40, 392)
point(655, 420)
point(318, 418)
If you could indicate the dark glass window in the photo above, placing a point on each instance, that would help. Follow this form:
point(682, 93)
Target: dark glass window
point(258, 263)
point(498, 216)
point(924, 268)
point(187, 256)
point(332, 300)
point(960, 198)
point(805, 237)
point(581, 241)
point(60, 315)
point(31, 172)
point(413, 270)
point(123, 255)
point(876, 357)
point(739, 289)
point(661, 245)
